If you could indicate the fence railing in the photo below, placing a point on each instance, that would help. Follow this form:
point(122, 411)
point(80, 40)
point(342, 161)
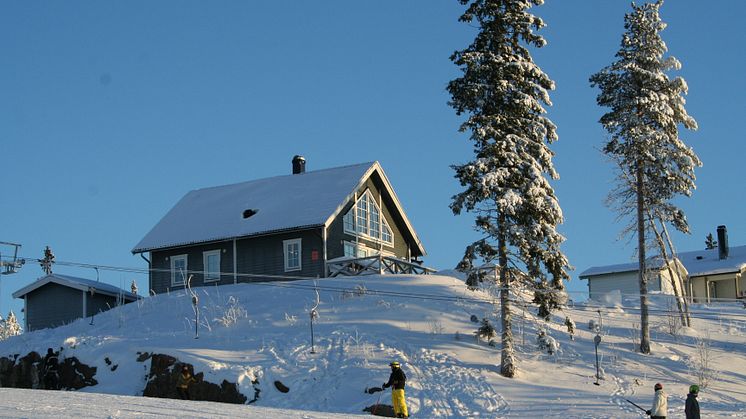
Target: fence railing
point(374, 265)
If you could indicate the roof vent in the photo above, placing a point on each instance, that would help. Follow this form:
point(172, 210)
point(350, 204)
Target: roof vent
point(700, 257)
point(249, 212)
point(299, 165)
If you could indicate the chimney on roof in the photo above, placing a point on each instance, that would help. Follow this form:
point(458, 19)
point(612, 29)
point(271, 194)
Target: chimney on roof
point(299, 165)
point(722, 242)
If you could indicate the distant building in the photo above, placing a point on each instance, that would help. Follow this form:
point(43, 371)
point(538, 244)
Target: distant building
point(292, 225)
point(55, 300)
point(707, 274)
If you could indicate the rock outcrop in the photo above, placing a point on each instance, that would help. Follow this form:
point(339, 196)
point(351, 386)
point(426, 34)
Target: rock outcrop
point(32, 371)
point(164, 374)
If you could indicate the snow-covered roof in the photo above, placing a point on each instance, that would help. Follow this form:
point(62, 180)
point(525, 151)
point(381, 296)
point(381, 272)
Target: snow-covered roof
point(279, 203)
point(697, 263)
point(81, 284)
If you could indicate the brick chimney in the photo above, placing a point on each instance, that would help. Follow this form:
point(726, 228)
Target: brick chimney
point(299, 165)
point(722, 242)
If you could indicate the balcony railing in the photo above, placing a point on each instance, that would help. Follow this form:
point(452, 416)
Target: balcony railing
point(374, 265)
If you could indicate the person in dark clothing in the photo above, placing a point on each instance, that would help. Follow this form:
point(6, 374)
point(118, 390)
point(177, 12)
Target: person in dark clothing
point(692, 405)
point(51, 376)
point(397, 380)
point(182, 384)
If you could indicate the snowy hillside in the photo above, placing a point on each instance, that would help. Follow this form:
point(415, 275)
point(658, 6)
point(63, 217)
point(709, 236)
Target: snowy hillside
point(250, 332)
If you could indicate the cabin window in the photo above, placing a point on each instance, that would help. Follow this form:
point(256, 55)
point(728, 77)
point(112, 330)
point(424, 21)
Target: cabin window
point(178, 269)
point(355, 251)
point(359, 250)
point(211, 261)
point(292, 254)
point(366, 219)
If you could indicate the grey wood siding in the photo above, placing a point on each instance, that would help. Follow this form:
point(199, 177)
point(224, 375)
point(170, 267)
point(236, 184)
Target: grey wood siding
point(97, 303)
point(336, 234)
point(265, 255)
point(52, 305)
point(262, 255)
point(160, 263)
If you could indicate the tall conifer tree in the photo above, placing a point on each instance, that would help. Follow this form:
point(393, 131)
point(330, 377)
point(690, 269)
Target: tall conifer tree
point(503, 93)
point(646, 108)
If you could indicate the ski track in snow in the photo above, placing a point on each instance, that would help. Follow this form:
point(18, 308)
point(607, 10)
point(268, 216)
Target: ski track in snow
point(465, 392)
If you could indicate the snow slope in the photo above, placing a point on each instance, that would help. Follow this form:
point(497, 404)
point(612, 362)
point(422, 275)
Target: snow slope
point(261, 331)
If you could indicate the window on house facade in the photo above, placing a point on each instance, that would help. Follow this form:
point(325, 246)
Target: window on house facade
point(366, 219)
point(178, 269)
point(359, 250)
point(355, 251)
point(292, 250)
point(211, 261)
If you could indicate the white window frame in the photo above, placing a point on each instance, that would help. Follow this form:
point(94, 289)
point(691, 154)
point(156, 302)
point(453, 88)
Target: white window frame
point(285, 252)
point(205, 269)
point(359, 249)
point(352, 219)
point(179, 278)
point(362, 250)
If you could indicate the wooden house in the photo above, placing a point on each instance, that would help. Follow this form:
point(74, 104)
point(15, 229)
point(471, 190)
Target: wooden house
point(280, 228)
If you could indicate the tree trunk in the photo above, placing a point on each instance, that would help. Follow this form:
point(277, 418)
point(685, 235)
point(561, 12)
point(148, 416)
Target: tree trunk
point(671, 277)
point(644, 318)
point(684, 291)
point(507, 358)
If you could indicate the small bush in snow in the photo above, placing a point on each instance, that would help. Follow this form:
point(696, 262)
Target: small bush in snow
point(233, 313)
point(570, 327)
point(593, 326)
point(359, 291)
point(546, 343)
point(436, 327)
point(702, 363)
point(486, 330)
point(292, 320)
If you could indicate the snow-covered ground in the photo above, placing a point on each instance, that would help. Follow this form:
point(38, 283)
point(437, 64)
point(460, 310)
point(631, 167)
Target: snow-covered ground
point(261, 331)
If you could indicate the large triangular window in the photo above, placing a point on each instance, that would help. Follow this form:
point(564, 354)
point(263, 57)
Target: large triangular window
point(365, 219)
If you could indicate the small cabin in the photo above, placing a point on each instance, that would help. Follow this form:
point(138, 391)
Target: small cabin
point(55, 300)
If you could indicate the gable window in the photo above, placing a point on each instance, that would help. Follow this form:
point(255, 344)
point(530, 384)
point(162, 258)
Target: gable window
point(366, 219)
point(178, 269)
point(211, 262)
point(292, 250)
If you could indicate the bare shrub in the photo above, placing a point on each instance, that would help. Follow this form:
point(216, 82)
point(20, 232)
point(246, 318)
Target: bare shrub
point(233, 313)
point(702, 362)
point(436, 327)
point(672, 322)
point(634, 335)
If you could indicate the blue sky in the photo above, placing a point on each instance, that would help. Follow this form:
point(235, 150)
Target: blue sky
point(111, 111)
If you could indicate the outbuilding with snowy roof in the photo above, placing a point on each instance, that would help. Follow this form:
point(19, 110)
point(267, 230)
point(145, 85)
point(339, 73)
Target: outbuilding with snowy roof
point(54, 300)
point(279, 228)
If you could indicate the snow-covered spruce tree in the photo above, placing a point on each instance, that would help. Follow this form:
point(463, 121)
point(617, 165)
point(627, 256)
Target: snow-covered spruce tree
point(646, 108)
point(503, 93)
point(9, 326)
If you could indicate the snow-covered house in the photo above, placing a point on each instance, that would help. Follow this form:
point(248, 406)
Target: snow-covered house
point(708, 274)
point(622, 278)
point(54, 300)
point(279, 227)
